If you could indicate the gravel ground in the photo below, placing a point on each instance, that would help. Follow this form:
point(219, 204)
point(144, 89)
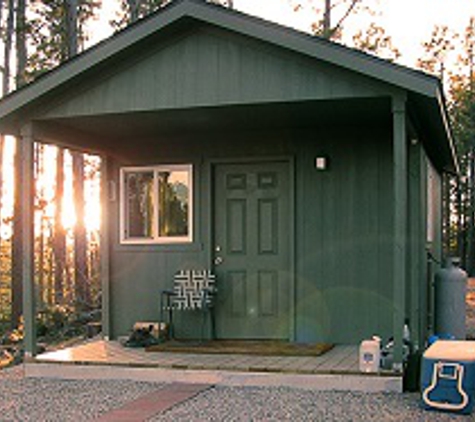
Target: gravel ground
point(284, 404)
point(39, 400)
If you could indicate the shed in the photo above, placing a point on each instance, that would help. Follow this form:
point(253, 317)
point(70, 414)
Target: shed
point(305, 174)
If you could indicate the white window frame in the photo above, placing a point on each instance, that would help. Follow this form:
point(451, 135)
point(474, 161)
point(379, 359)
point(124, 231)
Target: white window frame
point(155, 239)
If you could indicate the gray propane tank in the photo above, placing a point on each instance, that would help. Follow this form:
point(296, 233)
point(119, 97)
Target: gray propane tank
point(450, 296)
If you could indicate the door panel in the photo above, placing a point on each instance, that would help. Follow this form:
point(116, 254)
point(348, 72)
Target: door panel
point(236, 226)
point(251, 210)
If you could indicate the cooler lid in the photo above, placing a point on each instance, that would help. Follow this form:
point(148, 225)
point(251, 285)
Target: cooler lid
point(454, 350)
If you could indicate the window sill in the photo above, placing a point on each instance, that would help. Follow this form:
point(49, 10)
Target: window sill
point(158, 247)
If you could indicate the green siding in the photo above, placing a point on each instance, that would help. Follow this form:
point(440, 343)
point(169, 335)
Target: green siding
point(206, 68)
point(344, 223)
point(343, 232)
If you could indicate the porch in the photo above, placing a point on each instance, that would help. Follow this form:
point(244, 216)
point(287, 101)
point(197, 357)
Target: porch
point(336, 369)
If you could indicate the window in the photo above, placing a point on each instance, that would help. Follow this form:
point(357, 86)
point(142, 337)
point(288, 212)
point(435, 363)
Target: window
point(156, 204)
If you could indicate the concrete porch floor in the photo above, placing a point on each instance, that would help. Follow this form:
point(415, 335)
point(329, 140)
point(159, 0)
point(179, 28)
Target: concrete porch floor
point(337, 369)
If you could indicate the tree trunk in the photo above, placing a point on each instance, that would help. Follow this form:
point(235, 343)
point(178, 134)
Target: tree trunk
point(21, 43)
point(133, 10)
point(39, 241)
point(80, 249)
point(17, 247)
point(446, 215)
point(59, 245)
point(327, 19)
point(471, 218)
point(71, 28)
point(460, 222)
point(7, 47)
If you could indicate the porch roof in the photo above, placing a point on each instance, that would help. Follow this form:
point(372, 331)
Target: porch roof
point(426, 102)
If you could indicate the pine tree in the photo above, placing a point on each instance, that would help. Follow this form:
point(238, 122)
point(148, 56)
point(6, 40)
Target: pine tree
point(57, 32)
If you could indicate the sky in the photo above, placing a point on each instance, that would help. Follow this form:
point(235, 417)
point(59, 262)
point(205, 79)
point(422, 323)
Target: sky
point(408, 22)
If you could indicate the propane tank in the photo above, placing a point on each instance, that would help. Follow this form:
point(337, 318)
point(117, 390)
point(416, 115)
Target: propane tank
point(450, 296)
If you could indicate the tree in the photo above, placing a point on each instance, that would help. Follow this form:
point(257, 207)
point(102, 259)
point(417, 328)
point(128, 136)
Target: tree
point(459, 192)
point(21, 43)
point(370, 39)
point(7, 46)
point(324, 26)
point(436, 50)
point(81, 276)
point(59, 245)
point(375, 40)
point(133, 10)
point(57, 32)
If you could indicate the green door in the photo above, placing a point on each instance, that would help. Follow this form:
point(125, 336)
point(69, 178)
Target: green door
point(251, 250)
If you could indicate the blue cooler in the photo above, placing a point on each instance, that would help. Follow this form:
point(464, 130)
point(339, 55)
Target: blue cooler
point(448, 376)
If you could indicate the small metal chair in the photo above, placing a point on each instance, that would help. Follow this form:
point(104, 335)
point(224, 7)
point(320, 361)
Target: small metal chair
point(192, 290)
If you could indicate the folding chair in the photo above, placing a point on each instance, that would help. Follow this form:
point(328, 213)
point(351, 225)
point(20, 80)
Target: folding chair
point(192, 290)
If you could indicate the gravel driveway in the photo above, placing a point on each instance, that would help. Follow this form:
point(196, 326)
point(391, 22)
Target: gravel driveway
point(23, 399)
point(284, 404)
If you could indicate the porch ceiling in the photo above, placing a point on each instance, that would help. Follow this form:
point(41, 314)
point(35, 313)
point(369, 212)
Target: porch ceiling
point(106, 133)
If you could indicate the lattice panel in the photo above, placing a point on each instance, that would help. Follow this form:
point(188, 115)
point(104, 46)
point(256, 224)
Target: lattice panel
point(192, 288)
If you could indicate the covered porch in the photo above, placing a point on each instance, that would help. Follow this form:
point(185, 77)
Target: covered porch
point(336, 369)
point(247, 101)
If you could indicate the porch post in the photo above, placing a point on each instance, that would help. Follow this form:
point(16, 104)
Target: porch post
point(25, 146)
point(400, 225)
point(104, 248)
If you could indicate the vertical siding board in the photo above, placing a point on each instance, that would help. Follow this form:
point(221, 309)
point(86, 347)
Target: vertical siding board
point(208, 65)
point(192, 68)
point(228, 65)
point(189, 60)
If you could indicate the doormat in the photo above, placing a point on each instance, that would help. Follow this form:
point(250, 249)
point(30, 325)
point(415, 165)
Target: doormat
point(243, 347)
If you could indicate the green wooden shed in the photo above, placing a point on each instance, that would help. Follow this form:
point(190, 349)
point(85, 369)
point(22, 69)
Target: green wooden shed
point(305, 174)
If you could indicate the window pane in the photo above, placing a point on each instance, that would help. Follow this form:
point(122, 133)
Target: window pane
point(173, 203)
point(139, 204)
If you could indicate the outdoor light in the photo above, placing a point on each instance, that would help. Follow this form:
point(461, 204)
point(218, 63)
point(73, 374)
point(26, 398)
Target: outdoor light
point(321, 163)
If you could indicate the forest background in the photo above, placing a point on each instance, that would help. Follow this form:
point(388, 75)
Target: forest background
point(38, 35)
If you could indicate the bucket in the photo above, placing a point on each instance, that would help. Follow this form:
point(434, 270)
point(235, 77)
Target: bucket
point(370, 355)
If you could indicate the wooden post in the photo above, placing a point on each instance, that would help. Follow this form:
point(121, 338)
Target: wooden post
point(104, 238)
point(400, 225)
point(26, 184)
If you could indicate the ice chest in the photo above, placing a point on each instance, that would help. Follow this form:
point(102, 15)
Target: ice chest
point(448, 376)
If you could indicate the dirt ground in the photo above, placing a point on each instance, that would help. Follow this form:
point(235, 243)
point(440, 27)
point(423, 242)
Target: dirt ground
point(471, 309)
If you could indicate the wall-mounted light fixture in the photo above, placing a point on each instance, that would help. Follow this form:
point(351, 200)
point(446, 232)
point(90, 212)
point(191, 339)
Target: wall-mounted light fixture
point(321, 163)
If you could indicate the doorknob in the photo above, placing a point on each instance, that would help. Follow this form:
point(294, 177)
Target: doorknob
point(218, 260)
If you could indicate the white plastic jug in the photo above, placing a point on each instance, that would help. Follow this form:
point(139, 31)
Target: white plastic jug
point(370, 355)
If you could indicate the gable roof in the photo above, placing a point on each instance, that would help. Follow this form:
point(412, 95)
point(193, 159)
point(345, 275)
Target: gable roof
point(424, 91)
